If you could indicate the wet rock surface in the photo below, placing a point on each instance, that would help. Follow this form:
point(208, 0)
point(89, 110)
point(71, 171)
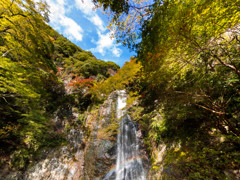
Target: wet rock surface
point(89, 154)
point(100, 153)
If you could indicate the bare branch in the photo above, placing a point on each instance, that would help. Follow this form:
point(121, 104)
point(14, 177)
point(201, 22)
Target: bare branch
point(227, 65)
point(213, 111)
point(4, 54)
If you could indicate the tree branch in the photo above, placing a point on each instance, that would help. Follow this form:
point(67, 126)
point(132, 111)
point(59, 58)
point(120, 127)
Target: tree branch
point(4, 54)
point(213, 111)
point(227, 65)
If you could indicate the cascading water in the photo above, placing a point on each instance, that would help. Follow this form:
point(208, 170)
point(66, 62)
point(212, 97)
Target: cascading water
point(129, 165)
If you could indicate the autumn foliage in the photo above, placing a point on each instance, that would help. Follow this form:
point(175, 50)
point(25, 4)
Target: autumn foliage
point(118, 81)
point(78, 82)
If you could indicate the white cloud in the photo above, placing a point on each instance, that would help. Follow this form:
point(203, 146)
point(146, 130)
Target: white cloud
point(72, 29)
point(59, 20)
point(96, 20)
point(117, 51)
point(106, 44)
point(105, 41)
point(87, 7)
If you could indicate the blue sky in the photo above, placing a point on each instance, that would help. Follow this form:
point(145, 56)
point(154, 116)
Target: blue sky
point(79, 22)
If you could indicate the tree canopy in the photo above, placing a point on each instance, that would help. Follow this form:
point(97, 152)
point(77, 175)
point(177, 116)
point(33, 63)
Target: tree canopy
point(189, 53)
point(34, 62)
point(185, 76)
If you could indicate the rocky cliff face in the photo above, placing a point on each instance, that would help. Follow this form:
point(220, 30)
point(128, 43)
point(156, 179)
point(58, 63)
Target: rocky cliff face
point(65, 162)
point(100, 152)
point(91, 149)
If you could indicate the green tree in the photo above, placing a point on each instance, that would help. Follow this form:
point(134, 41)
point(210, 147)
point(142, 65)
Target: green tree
point(28, 80)
point(118, 81)
point(189, 51)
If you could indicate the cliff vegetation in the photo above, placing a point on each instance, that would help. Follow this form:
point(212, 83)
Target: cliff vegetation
point(183, 85)
point(37, 63)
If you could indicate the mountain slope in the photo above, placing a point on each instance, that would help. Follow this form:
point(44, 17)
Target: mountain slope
point(36, 65)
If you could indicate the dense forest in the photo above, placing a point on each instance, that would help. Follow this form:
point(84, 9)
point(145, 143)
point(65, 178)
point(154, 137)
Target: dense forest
point(189, 79)
point(183, 85)
point(36, 64)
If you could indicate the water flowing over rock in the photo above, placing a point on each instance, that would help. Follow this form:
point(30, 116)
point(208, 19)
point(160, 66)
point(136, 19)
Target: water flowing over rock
point(121, 103)
point(129, 165)
point(103, 153)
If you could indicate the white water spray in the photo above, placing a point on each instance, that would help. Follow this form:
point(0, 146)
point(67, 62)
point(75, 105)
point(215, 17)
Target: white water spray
point(129, 165)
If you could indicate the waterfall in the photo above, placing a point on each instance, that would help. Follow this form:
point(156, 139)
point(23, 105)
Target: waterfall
point(129, 165)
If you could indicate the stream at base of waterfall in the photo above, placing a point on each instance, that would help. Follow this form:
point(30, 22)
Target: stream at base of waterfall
point(129, 166)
